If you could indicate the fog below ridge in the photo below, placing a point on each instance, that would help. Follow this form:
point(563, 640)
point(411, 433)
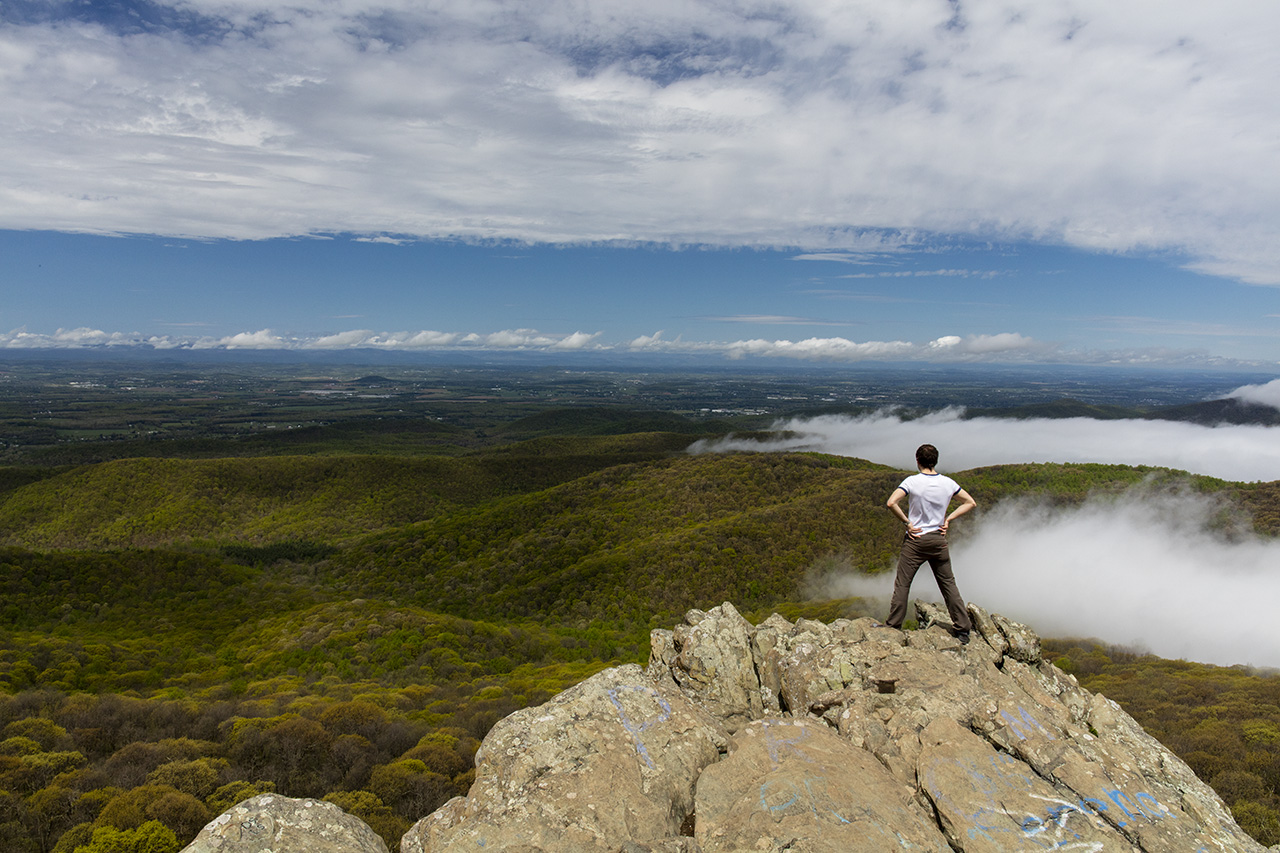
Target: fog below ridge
point(1231, 452)
point(1142, 569)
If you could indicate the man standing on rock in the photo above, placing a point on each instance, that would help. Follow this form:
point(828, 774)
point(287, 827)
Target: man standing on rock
point(930, 494)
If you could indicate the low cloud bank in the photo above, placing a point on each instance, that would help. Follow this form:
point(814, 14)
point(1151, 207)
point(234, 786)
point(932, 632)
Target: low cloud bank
point(949, 348)
point(1142, 569)
point(1145, 569)
point(1007, 345)
point(1268, 394)
point(1003, 348)
point(266, 339)
point(1232, 452)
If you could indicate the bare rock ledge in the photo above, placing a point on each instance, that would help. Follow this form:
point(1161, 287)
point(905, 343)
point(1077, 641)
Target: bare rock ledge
point(850, 738)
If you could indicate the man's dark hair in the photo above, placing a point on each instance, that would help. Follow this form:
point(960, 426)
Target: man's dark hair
point(927, 456)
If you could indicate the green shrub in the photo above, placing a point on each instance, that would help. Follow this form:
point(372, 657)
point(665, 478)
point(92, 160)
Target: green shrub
point(150, 837)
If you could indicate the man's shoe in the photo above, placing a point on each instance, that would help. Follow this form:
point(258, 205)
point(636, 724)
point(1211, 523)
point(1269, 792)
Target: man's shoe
point(963, 637)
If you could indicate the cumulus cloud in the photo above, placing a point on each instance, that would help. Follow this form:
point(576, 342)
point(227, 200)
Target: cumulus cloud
point(825, 349)
point(514, 339)
point(365, 339)
point(427, 339)
point(837, 128)
point(576, 341)
point(1147, 569)
point(648, 341)
point(980, 345)
point(1268, 394)
point(344, 340)
point(1003, 342)
point(1008, 346)
point(264, 339)
point(76, 338)
point(1232, 452)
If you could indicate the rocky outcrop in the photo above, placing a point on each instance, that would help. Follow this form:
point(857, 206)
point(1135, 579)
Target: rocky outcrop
point(850, 737)
point(844, 737)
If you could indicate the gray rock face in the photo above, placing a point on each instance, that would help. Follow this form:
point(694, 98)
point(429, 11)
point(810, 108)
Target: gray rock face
point(611, 760)
point(843, 737)
point(796, 783)
point(269, 822)
point(850, 737)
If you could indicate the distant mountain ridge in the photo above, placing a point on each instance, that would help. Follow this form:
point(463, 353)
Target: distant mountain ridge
point(1208, 413)
point(1229, 411)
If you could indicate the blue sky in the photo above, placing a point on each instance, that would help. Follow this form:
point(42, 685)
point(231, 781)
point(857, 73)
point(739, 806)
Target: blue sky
point(945, 181)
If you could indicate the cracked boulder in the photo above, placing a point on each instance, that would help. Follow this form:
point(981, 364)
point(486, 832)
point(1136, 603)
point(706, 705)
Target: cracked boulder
point(269, 822)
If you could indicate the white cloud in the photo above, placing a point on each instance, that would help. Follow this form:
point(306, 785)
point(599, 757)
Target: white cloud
point(264, 339)
point(427, 340)
point(517, 339)
point(1267, 394)
point(576, 341)
point(1145, 569)
point(1003, 342)
point(647, 341)
point(832, 127)
point(522, 339)
point(366, 339)
point(1009, 346)
point(1151, 568)
point(833, 349)
point(344, 340)
point(1245, 453)
point(74, 339)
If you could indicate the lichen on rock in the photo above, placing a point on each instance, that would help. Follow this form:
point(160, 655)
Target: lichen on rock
point(270, 822)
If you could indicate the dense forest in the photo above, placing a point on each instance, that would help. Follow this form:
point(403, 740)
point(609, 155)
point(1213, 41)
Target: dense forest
point(343, 610)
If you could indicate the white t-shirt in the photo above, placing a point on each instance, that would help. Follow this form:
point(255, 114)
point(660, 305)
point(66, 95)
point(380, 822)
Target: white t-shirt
point(929, 496)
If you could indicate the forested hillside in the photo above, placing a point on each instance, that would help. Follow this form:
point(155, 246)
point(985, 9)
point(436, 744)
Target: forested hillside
point(178, 632)
point(147, 502)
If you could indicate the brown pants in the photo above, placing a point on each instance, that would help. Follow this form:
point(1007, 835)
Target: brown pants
point(930, 548)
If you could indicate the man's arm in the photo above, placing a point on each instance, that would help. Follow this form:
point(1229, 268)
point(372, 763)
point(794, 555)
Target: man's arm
point(893, 504)
point(966, 503)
